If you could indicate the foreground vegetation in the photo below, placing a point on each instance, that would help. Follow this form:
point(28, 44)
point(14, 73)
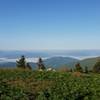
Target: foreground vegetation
point(17, 84)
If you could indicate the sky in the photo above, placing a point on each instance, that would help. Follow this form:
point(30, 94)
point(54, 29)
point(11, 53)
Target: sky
point(49, 24)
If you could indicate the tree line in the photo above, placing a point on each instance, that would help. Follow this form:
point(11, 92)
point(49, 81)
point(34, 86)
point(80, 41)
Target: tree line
point(21, 63)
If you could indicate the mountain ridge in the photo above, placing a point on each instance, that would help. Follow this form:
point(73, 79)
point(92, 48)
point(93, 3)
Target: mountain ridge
point(58, 61)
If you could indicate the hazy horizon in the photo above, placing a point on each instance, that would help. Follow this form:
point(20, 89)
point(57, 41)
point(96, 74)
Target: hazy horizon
point(49, 53)
point(49, 50)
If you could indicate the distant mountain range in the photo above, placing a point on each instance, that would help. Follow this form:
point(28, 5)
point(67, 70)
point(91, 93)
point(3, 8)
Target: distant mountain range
point(57, 62)
point(53, 58)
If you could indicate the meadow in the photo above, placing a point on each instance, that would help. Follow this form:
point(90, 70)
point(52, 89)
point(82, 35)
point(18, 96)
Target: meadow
point(17, 84)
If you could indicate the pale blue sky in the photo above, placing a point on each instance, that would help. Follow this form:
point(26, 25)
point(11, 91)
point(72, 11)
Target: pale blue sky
point(49, 24)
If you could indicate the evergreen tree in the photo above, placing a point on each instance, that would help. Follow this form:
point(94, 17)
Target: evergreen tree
point(21, 63)
point(28, 66)
point(86, 69)
point(40, 64)
point(71, 70)
point(96, 67)
point(78, 68)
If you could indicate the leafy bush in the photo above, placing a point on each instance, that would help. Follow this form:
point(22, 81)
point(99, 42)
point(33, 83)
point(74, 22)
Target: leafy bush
point(34, 85)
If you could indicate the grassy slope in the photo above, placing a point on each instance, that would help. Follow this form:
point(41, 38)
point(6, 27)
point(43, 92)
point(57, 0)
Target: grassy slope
point(90, 62)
